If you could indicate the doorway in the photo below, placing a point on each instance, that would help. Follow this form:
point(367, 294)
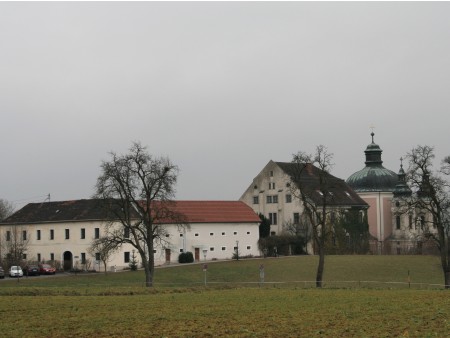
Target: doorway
point(197, 254)
point(68, 260)
point(167, 255)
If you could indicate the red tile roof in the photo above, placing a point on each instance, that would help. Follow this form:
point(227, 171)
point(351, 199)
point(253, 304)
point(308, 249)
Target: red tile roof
point(216, 211)
point(81, 210)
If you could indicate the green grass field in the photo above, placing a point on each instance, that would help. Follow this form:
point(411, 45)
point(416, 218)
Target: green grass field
point(364, 296)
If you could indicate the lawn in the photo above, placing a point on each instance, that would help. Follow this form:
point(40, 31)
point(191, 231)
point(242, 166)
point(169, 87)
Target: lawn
point(233, 304)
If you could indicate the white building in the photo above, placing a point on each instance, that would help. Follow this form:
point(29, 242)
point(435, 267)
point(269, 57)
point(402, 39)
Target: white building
point(62, 232)
point(270, 194)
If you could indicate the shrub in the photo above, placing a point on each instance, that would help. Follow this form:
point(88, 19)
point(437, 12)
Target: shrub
point(186, 257)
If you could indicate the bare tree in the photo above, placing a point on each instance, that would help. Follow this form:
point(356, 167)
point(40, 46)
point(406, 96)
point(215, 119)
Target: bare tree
point(431, 200)
point(6, 209)
point(15, 244)
point(311, 185)
point(137, 189)
point(104, 248)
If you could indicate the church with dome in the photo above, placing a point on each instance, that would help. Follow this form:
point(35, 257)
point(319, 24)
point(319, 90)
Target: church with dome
point(394, 228)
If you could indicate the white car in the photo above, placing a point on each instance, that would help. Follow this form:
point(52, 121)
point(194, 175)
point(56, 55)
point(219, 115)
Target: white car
point(15, 271)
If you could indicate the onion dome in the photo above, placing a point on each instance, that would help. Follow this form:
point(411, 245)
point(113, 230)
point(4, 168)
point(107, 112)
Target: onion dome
point(402, 189)
point(374, 177)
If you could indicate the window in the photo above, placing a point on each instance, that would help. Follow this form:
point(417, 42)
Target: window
point(181, 235)
point(248, 232)
point(223, 233)
point(235, 233)
point(211, 233)
point(39, 257)
point(268, 199)
point(273, 218)
point(410, 221)
point(211, 248)
point(52, 256)
point(83, 258)
point(271, 185)
point(97, 256)
point(67, 233)
point(397, 222)
point(83, 233)
point(24, 235)
point(255, 187)
point(255, 199)
point(126, 257)
point(296, 218)
point(248, 247)
point(96, 233)
point(271, 173)
point(126, 232)
point(275, 199)
point(38, 236)
point(422, 221)
point(196, 235)
point(52, 234)
point(272, 233)
point(288, 198)
point(24, 256)
point(224, 248)
point(181, 250)
point(8, 235)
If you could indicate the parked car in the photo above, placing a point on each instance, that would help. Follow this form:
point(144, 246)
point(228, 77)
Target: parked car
point(46, 269)
point(2, 273)
point(32, 270)
point(15, 271)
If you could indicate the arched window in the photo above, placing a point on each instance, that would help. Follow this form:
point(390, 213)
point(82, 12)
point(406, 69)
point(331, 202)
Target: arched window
point(397, 222)
point(422, 221)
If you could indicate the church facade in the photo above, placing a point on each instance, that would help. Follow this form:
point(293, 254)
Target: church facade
point(395, 228)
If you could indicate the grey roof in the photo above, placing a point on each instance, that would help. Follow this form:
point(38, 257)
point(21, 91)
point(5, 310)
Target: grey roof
point(374, 177)
point(341, 194)
point(62, 211)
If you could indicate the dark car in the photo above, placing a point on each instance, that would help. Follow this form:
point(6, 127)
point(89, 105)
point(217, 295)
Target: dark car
point(32, 270)
point(46, 269)
point(2, 273)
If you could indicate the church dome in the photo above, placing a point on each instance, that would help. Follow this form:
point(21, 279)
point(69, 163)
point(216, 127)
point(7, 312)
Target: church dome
point(374, 177)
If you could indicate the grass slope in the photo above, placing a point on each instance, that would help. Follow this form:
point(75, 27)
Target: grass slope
point(117, 305)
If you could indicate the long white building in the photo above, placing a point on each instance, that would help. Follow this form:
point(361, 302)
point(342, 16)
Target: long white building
point(62, 232)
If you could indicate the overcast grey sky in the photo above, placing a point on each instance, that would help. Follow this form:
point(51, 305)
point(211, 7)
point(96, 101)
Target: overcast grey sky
point(220, 88)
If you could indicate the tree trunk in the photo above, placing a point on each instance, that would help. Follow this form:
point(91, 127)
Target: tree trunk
point(149, 268)
point(319, 275)
point(447, 279)
point(148, 278)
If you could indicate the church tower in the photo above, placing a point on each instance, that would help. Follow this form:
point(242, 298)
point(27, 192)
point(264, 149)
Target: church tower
point(402, 216)
point(375, 185)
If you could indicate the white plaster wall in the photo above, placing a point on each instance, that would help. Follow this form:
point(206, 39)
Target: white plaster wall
point(285, 211)
point(196, 235)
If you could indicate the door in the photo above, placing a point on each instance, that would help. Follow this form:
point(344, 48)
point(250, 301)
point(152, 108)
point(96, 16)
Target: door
point(197, 254)
point(167, 255)
point(67, 261)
